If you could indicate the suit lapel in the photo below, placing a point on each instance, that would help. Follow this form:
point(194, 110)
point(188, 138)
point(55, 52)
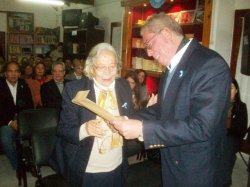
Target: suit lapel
point(54, 88)
point(121, 100)
point(8, 93)
point(179, 75)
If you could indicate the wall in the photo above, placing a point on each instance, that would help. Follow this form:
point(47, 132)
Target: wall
point(108, 11)
point(222, 36)
point(44, 15)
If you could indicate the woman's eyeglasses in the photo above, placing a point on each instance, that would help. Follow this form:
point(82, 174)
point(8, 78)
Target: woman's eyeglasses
point(102, 68)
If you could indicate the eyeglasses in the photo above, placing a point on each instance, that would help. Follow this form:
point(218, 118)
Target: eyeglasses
point(148, 43)
point(102, 68)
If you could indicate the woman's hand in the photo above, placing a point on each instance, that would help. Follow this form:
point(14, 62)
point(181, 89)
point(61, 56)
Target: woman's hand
point(94, 128)
point(152, 100)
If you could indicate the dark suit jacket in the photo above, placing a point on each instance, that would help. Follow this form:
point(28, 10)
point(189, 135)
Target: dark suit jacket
point(51, 96)
point(7, 107)
point(189, 124)
point(238, 121)
point(77, 152)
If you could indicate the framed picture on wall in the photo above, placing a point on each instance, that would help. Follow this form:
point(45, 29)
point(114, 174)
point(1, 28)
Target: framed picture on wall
point(200, 4)
point(20, 22)
point(199, 16)
point(174, 16)
point(186, 17)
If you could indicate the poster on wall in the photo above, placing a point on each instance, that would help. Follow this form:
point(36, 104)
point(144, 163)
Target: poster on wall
point(20, 22)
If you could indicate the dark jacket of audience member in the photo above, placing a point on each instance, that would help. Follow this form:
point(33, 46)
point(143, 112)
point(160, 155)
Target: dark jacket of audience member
point(51, 96)
point(8, 109)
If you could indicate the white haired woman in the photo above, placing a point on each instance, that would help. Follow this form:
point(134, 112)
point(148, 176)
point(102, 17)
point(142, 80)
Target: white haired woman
point(91, 158)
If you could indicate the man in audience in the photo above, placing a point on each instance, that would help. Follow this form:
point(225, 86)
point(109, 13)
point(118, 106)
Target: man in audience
point(51, 91)
point(15, 96)
point(57, 52)
point(78, 71)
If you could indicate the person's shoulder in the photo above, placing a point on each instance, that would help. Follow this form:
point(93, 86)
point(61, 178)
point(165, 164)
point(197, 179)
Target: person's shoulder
point(123, 84)
point(2, 81)
point(78, 83)
point(203, 57)
point(22, 83)
point(242, 104)
point(121, 81)
point(49, 83)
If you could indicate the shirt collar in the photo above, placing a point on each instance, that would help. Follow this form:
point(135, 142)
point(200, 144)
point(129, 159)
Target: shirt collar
point(9, 84)
point(177, 57)
point(101, 87)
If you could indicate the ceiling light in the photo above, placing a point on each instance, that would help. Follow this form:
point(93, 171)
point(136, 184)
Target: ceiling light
point(50, 2)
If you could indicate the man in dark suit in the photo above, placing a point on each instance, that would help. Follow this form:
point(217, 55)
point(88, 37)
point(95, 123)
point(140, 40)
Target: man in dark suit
point(188, 122)
point(51, 92)
point(14, 96)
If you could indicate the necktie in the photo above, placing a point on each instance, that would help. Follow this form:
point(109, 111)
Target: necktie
point(111, 140)
point(166, 83)
point(106, 100)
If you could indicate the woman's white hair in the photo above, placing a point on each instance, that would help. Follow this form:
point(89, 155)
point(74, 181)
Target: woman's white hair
point(93, 54)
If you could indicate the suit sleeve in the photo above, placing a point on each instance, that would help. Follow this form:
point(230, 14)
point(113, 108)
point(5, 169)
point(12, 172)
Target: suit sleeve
point(69, 123)
point(205, 106)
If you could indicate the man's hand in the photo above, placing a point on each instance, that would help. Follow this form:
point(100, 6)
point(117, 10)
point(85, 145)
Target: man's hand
point(129, 128)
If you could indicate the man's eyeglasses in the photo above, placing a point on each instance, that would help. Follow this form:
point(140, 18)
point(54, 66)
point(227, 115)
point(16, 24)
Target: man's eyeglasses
point(148, 43)
point(102, 68)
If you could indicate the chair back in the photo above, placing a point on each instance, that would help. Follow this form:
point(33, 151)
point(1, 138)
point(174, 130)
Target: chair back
point(36, 119)
point(43, 143)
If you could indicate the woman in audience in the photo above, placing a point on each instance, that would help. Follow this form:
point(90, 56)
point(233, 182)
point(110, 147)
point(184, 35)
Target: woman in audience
point(27, 71)
point(94, 152)
point(39, 77)
point(134, 84)
point(236, 129)
point(142, 76)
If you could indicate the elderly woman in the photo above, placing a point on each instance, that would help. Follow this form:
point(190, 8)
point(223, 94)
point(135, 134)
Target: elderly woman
point(93, 151)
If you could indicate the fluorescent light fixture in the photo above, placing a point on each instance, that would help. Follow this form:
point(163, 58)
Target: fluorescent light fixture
point(50, 2)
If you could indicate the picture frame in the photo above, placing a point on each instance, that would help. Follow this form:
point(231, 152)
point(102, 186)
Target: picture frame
point(199, 16)
point(186, 17)
point(20, 22)
point(200, 5)
point(174, 16)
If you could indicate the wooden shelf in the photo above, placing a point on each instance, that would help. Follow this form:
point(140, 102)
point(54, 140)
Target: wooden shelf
point(135, 9)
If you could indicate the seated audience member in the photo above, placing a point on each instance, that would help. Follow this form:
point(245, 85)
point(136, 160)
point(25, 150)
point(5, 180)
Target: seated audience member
point(132, 79)
point(236, 129)
point(78, 71)
point(57, 52)
point(39, 77)
point(93, 152)
point(48, 63)
point(68, 66)
point(142, 77)
point(14, 96)
point(27, 71)
point(51, 91)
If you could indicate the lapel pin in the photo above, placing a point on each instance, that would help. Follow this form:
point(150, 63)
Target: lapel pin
point(181, 74)
point(125, 105)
